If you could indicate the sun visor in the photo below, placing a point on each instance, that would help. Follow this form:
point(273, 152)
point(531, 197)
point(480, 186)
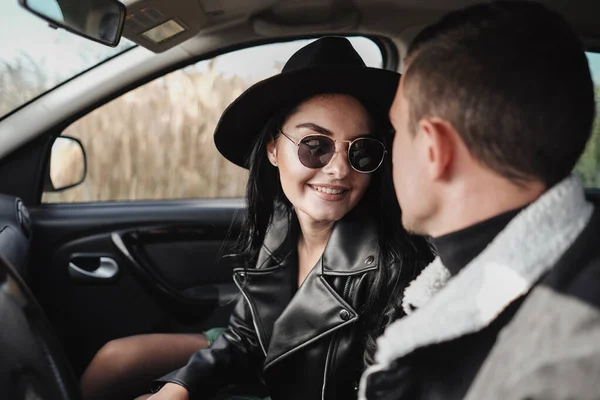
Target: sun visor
point(160, 25)
point(269, 25)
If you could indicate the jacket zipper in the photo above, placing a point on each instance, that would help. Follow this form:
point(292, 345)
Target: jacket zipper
point(333, 345)
point(253, 313)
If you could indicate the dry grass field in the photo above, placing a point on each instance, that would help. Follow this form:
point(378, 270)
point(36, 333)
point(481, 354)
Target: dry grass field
point(156, 142)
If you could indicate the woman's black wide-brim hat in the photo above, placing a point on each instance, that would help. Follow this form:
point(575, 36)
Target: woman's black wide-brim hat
point(327, 65)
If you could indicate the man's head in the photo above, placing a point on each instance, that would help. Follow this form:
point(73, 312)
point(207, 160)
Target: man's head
point(494, 96)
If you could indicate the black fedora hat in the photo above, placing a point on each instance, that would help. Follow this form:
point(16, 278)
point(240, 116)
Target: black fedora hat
point(327, 65)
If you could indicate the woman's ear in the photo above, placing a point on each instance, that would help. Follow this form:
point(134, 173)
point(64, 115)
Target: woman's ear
point(272, 151)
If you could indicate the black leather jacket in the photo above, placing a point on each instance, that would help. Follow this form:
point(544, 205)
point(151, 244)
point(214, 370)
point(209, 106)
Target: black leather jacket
point(305, 343)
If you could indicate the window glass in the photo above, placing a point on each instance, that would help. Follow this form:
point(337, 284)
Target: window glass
point(156, 141)
point(588, 166)
point(35, 58)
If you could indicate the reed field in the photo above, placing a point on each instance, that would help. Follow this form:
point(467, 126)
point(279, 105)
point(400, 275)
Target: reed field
point(156, 142)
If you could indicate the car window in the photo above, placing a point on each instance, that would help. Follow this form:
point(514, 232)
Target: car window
point(588, 166)
point(35, 59)
point(156, 141)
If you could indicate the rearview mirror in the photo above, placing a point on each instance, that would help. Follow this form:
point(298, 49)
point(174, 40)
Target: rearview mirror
point(68, 165)
point(99, 20)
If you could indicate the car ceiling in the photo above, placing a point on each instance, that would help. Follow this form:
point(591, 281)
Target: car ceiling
point(228, 24)
point(383, 16)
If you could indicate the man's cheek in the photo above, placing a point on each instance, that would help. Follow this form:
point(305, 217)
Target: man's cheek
point(396, 152)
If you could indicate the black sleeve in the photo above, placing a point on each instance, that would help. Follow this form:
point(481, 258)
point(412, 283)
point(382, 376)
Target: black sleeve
point(235, 357)
point(399, 382)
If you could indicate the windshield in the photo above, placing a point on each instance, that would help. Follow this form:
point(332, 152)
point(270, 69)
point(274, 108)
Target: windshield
point(36, 58)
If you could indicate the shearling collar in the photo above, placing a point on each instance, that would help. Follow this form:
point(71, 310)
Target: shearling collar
point(508, 268)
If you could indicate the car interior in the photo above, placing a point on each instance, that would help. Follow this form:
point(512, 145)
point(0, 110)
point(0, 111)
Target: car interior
point(83, 265)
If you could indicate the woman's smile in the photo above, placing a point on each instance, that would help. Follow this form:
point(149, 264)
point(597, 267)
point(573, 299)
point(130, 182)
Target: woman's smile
point(329, 192)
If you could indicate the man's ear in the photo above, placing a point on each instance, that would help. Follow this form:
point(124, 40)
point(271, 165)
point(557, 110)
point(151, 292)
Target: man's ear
point(272, 151)
point(438, 137)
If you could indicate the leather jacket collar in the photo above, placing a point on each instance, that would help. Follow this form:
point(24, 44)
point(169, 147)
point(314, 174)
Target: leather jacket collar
point(288, 318)
point(351, 249)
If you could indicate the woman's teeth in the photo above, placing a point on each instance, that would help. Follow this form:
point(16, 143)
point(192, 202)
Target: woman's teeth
point(329, 190)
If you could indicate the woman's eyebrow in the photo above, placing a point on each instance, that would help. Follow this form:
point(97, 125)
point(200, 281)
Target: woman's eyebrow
point(316, 128)
point(324, 131)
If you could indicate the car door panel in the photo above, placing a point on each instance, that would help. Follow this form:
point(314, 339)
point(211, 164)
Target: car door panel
point(171, 261)
point(167, 266)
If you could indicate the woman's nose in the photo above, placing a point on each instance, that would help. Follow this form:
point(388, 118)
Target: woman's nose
point(338, 165)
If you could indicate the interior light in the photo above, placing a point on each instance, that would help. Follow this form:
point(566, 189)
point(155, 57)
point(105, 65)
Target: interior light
point(163, 31)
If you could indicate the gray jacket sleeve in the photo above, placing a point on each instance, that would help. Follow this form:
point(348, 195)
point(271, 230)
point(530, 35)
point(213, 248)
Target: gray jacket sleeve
point(550, 351)
point(577, 377)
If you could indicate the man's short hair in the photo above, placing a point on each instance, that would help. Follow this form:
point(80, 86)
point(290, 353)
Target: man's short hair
point(513, 79)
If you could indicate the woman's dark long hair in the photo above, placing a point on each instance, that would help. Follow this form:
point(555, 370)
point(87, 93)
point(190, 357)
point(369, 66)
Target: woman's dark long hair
point(396, 247)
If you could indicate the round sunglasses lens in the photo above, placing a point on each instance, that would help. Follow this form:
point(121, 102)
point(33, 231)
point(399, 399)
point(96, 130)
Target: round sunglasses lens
point(315, 151)
point(365, 155)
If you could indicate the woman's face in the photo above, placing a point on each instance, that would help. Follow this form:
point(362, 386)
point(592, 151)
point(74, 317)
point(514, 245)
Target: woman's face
point(322, 195)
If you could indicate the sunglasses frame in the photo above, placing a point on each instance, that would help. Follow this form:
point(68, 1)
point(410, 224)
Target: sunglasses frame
point(350, 142)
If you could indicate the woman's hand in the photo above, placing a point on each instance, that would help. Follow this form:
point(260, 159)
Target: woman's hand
point(171, 391)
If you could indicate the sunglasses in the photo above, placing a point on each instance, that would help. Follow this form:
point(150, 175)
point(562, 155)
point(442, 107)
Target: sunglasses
point(365, 154)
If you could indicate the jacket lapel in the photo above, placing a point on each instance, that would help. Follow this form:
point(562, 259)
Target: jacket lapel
point(318, 309)
point(527, 248)
point(270, 286)
point(315, 311)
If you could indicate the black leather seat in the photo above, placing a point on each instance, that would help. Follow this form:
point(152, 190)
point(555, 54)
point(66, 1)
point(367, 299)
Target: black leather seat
point(32, 364)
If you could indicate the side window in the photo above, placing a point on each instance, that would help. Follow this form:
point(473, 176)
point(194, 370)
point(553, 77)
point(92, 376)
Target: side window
point(588, 166)
point(156, 141)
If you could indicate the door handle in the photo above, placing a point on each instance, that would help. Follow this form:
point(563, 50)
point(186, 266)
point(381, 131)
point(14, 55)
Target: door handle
point(107, 269)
